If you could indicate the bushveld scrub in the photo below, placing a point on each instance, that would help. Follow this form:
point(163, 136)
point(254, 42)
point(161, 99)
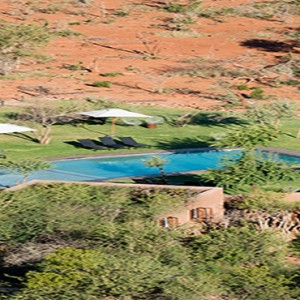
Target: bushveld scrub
point(88, 242)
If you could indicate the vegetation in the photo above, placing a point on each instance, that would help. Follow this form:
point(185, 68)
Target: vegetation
point(250, 169)
point(197, 132)
point(105, 84)
point(85, 242)
point(157, 162)
point(20, 40)
point(71, 241)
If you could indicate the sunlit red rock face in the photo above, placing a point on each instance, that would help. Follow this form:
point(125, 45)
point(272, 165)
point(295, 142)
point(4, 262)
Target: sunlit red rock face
point(151, 56)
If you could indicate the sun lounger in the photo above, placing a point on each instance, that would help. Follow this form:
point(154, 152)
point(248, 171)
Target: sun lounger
point(90, 144)
point(129, 141)
point(110, 142)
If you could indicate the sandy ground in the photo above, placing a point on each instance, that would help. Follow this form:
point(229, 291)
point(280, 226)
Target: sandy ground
point(158, 59)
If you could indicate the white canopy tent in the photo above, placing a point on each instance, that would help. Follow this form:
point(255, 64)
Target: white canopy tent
point(113, 113)
point(12, 128)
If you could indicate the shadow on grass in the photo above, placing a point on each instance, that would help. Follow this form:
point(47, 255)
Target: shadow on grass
point(195, 142)
point(215, 119)
point(24, 136)
point(204, 119)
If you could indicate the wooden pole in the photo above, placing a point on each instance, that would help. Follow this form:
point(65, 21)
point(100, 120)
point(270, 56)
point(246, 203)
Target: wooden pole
point(113, 126)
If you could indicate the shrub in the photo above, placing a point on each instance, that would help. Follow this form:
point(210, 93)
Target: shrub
point(257, 93)
point(105, 84)
point(111, 74)
point(20, 40)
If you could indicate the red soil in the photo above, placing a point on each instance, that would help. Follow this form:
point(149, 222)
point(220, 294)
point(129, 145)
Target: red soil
point(112, 43)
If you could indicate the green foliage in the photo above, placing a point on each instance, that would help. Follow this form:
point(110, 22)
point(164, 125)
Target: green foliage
point(271, 113)
point(257, 93)
point(247, 171)
point(242, 87)
point(267, 201)
point(258, 283)
point(157, 162)
point(247, 262)
point(105, 84)
point(20, 40)
point(191, 6)
point(291, 82)
point(111, 248)
point(296, 72)
point(126, 254)
point(93, 274)
point(71, 271)
point(247, 136)
point(121, 12)
point(80, 212)
point(75, 67)
point(236, 246)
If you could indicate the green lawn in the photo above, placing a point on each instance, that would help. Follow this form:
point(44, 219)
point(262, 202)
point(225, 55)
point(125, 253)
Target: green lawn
point(165, 136)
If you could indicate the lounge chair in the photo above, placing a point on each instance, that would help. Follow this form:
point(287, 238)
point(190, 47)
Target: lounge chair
point(110, 142)
point(90, 144)
point(129, 141)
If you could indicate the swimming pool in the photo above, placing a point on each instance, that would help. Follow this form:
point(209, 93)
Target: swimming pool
point(102, 168)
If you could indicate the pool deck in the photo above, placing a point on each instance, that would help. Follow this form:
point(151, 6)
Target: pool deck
point(154, 152)
point(118, 153)
point(280, 151)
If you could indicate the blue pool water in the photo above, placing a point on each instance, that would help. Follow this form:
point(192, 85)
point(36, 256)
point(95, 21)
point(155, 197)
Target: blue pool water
point(101, 168)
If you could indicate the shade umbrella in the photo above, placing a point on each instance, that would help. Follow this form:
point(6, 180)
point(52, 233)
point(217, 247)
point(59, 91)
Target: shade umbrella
point(113, 113)
point(11, 128)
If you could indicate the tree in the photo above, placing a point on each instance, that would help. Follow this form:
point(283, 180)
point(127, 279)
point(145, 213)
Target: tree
point(250, 168)
point(83, 274)
point(247, 136)
point(259, 283)
point(272, 113)
point(248, 262)
point(157, 162)
point(46, 115)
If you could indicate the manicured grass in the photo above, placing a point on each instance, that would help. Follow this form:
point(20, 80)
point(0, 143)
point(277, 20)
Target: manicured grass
point(165, 136)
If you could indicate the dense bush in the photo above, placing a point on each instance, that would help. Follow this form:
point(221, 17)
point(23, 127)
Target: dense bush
point(75, 241)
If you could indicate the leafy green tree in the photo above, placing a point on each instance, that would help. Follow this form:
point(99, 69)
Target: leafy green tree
point(94, 274)
point(248, 171)
point(258, 283)
point(251, 168)
point(235, 246)
point(266, 201)
point(247, 136)
point(157, 162)
point(249, 263)
point(272, 113)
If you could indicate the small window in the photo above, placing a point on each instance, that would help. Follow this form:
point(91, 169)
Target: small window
point(169, 222)
point(202, 214)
